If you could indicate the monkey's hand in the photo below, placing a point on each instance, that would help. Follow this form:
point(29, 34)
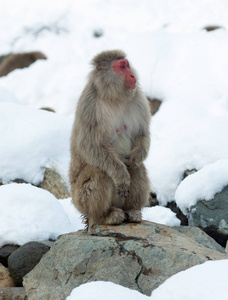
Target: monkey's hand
point(139, 151)
point(135, 157)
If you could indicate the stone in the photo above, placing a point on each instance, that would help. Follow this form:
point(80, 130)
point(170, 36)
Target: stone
point(212, 216)
point(213, 27)
point(5, 252)
point(138, 256)
point(24, 259)
point(14, 293)
point(10, 62)
point(53, 183)
point(5, 279)
point(173, 206)
point(154, 105)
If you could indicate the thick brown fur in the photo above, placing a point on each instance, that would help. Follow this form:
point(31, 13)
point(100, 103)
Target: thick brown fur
point(109, 142)
point(10, 62)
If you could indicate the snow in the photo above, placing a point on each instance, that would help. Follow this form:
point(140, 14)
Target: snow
point(177, 62)
point(103, 290)
point(206, 281)
point(159, 214)
point(202, 185)
point(32, 139)
point(29, 213)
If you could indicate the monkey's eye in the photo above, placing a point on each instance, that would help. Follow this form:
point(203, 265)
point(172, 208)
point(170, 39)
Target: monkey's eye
point(122, 67)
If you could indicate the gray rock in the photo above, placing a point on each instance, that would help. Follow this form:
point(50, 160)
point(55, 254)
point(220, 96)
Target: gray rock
point(212, 216)
point(137, 256)
point(24, 259)
point(15, 293)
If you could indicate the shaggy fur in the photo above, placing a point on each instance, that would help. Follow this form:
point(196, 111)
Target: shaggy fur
point(110, 140)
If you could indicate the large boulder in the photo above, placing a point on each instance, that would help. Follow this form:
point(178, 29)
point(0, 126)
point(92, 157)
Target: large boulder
point(212, 216)
point(137, 256)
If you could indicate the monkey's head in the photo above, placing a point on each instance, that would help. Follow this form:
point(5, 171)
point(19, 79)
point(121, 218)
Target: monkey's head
point(115, 70)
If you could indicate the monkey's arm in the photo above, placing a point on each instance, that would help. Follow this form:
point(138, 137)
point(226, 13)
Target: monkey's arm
point(139, 151)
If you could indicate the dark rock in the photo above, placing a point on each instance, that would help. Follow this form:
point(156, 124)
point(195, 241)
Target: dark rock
point(14, 293)
point(5, 252)
point(212, 216)
point(173, 206)
point(98, 33)
point(137, 256)
point(24, 259)
point(152, 201)
point(10, 62)
point(212, 27)
point(189, 172)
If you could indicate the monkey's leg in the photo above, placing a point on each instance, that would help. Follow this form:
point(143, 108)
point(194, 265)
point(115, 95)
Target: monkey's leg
point(92, 194)
point(139, 193)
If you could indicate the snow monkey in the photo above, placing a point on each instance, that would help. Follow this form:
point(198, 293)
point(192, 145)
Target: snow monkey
point(110, 139)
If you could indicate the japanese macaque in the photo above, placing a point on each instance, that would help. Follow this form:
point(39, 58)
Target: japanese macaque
point(109, 142)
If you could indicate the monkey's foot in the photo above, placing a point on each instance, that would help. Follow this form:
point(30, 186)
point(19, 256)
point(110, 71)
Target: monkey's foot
point(115, 216)
point(133, 216)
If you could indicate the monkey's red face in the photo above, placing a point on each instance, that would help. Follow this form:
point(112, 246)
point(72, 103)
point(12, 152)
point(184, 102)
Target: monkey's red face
point(122, 68)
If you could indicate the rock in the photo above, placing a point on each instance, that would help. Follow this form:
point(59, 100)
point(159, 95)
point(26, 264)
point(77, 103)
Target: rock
point(98, 33)
point(152, 200)
point(53, 183)
point(189, 172)
point(48, 109)
point(137, 256)
point(173, 206)
point(15, 293)
point(212, 27)
point(10, 62)
point(5, 252)
point(212, 216)
point(154, 105)
point(5, 279)
point(24, 259)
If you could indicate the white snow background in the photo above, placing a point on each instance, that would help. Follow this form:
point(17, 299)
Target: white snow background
point(177, 61)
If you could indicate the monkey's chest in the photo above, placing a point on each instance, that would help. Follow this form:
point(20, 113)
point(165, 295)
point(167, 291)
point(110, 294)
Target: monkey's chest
point(122, 141)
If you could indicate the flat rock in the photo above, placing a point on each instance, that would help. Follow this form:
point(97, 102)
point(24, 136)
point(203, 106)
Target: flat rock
point(137, 256)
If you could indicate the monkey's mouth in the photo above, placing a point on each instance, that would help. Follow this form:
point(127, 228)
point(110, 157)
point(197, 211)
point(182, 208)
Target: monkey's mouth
point(131, 86)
